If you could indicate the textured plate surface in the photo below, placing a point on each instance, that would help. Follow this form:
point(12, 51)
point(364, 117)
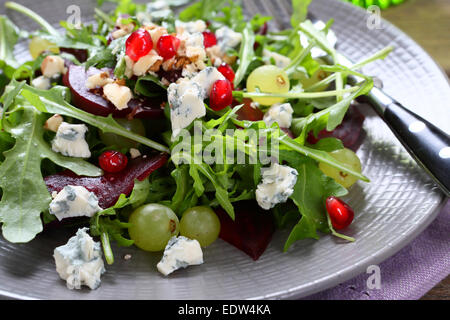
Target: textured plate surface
point(390, 211)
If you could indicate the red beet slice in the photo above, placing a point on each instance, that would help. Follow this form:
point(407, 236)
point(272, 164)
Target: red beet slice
point(80, 54)
point(252, 229)
point(247, 112)
point(349, 131)
point(93, 102)
point(108, 187)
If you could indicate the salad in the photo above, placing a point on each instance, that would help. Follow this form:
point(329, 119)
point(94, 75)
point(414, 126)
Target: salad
point(168, 131)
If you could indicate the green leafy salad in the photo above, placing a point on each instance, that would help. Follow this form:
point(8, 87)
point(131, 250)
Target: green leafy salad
point(167, 131)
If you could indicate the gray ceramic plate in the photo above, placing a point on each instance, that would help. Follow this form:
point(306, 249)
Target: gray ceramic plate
point(390, 211)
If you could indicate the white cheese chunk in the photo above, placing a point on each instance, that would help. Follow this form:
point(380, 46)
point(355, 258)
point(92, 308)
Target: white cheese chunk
point(74, 201)
point(277, 185)
point(52, 66)
point(191, 26)
point(70, 141)
point(279, 113)
point(118, 95)
point(280, 60)
point(227, 38)
point(41, 82)
point(98, 80)
point(180, 252)
point(80, 262)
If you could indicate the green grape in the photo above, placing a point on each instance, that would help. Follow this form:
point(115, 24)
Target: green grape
point(350, 159)
point(315, 77)
point(134, 125)
point(152, 225)
point(38, 45)
point(268, 79)
point(200, 223)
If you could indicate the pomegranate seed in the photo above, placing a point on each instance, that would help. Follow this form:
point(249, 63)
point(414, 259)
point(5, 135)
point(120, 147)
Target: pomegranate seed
point(221, 95)
point(227, 71)
point(112, 161)
point(341, 214)
point(209, 39)
point(138, 44)
point(167, 46)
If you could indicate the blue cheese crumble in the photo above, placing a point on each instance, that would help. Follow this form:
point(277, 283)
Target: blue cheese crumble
point(180, 252)
point(74, 201)
point(277, 185)
point(279, 113)
point(227, 38)
point(186, 98)
point(69, 140)
point(80, 262)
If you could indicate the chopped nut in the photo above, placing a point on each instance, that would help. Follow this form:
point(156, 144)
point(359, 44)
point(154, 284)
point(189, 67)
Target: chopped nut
point(118, 95)
point(98, 80)
point(168, 64)
point(53, 122)
point(41, 82)
point(145, 62)
point(155, 67)
point(127, 256)
point(134, 153)
point(52, 66)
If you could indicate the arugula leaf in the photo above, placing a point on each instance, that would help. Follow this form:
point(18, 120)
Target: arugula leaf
point(299, 11)
point(328, 144)
point(203, 9)
point(25, 194)
point(9, 35)
point(149, 86)
point(246, 53)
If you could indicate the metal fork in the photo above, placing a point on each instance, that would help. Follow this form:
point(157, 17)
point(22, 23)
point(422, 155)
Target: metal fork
point(428, 145)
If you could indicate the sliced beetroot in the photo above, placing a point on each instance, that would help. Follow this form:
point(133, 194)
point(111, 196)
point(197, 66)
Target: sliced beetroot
point(349, 131)
point(80, 54)
point(171, 76)
point(93, 102)
point(110, 186)
point(247, 111)
point(252, 229)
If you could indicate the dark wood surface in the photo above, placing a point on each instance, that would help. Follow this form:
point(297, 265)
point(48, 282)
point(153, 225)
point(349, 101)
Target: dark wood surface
point(428, 23)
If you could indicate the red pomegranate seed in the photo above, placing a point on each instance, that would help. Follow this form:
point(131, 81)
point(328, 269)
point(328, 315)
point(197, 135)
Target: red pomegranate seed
point(112, 161)
point(209, 39)
point(138, 44)
point(341, 214)
point(227, 71)
point(221, 95)
point(167, 46)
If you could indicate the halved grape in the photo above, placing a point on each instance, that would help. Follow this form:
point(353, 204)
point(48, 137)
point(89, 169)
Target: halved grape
point(134, 125)
point(200, 223)
point(317, 76)
point(38, 45)
point(152, 225)
point(350, 159)
point(268, 79)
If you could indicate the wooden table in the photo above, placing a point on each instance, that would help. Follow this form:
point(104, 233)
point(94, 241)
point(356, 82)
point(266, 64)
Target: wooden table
point(428, 23)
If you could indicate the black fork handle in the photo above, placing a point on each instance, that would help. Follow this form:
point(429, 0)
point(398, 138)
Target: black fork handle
point(426, 143)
